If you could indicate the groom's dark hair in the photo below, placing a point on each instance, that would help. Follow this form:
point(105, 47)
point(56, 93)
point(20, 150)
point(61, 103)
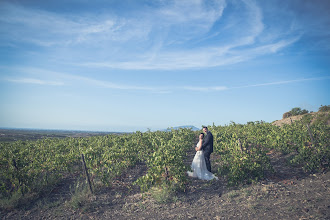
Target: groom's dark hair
point(205, 127)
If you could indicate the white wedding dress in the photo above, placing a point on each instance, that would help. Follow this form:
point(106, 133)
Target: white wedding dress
point(198, 167)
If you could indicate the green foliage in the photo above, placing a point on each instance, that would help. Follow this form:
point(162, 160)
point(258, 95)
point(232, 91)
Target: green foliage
point(322, 118)
point(295, 111)
point(243, 160)
point(287, 115)
point(313, 154)
point(166, 160)
point(33, 166)
point(244, 167)
point(324, 108)
point(298, 111)
point(29, 167)
point(310, 147)
point(242, 148)
point(307, 119)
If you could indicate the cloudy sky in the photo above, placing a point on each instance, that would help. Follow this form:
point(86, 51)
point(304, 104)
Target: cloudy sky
point(126, 65)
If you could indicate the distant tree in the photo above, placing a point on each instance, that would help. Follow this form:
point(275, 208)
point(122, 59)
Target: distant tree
point(295, 111)
point(287, 114)
point(304, 111)
point(324, 108)
point(298, 111)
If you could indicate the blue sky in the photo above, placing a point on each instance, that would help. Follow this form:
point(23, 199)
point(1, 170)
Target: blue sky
point(125, 65)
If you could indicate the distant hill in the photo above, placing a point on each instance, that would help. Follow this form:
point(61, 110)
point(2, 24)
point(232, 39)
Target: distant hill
point(193, 128)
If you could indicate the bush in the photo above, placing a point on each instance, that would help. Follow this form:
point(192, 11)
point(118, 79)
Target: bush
point(294, 112)
point(322, 118)
point(244, 167)
point(298, 111)
point(287, 115)
point(307, 119)
point(324, 108)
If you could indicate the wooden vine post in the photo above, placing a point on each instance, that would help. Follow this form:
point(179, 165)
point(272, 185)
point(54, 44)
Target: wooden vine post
point(165, 167)
point(86, 172)
point(240, 144)
point(311, 135)
point(166, 173)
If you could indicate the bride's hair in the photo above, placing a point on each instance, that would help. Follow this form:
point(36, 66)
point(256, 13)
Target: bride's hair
point(202, 134)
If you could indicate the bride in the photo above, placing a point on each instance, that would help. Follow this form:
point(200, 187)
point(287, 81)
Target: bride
point(198, 165)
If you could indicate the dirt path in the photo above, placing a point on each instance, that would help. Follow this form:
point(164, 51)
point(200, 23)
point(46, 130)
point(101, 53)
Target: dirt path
point(287, 194)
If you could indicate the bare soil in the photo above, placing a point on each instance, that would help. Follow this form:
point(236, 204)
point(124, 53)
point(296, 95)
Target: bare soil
point(289, 120)
point(289, 193)
point(292, 119)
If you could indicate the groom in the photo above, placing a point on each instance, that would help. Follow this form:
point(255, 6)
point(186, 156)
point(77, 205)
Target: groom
point(207, 147)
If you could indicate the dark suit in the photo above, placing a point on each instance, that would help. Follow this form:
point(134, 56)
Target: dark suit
point(207, 147)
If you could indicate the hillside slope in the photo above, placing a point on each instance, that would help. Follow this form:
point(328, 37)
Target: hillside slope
point(314, 115)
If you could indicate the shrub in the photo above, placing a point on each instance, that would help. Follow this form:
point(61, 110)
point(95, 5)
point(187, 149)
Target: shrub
point(322, 118)
point(244, 167)
point(298, 111)
point(307, 119)
point(324, 108)
point(295, 111)
point(287, 115)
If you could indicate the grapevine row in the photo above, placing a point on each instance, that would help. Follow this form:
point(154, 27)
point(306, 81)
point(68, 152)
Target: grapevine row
point(29, 166)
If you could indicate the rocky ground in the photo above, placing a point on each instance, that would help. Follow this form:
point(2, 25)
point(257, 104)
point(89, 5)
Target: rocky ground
point(289, 193)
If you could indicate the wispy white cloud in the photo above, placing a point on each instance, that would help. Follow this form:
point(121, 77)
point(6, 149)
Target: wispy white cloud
point(45, 28)
point(223, 88)
point(189, 17)
point(35, 81)
point(282, 82)
point(109, 85)
point(178, 34)
point(194, 58)
point(275, 47)
point(205, 89)
point(242, 46)
point(45, 77)
point(67, 79)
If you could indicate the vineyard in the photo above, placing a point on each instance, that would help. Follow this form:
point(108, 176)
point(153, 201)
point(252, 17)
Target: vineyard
point(29, 166)
point(241, 153)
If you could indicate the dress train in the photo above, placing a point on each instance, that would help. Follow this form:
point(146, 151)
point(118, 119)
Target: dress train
point(198, 166)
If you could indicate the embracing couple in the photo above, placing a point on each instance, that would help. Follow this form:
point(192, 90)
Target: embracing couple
point(201, 165)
